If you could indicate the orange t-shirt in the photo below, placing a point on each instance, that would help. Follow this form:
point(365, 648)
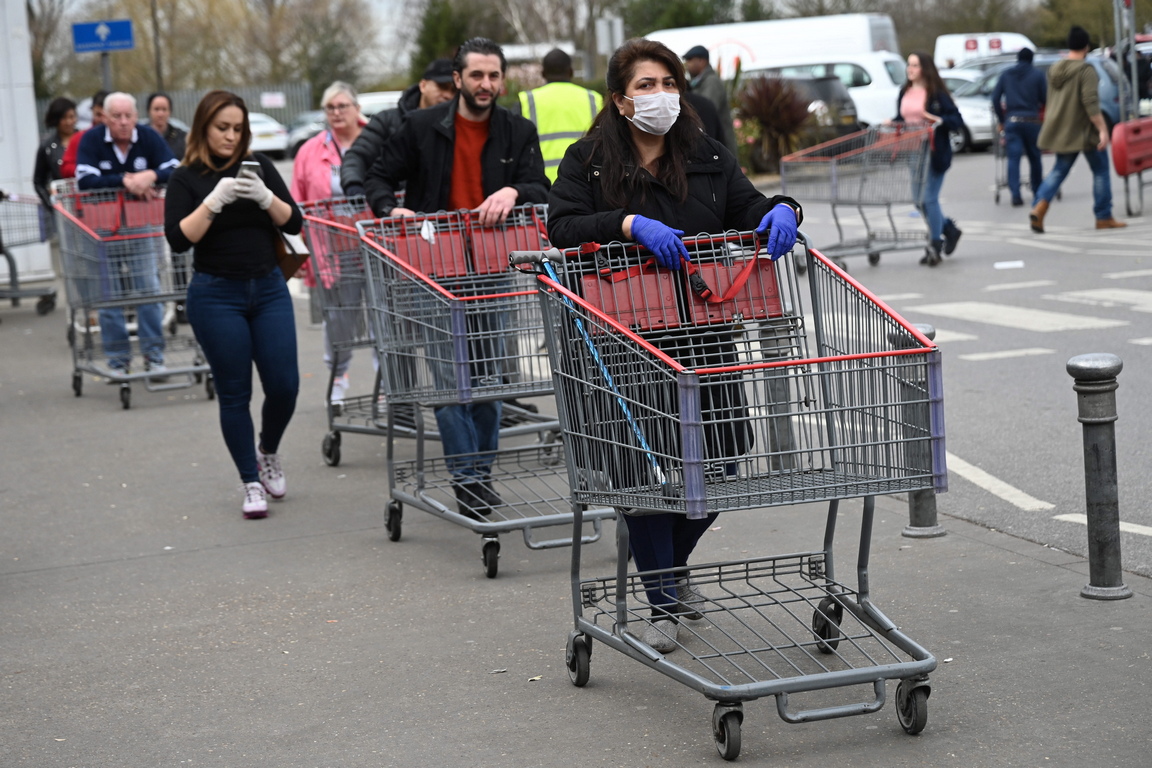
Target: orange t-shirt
point(467, 189)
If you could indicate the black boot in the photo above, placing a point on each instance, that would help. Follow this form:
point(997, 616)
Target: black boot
point(951, 236)
point(932, 253)
point(471, 501)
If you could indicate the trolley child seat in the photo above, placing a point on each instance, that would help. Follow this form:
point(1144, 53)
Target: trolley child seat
point(453, 326)
point(115, 256)
point(711, 403)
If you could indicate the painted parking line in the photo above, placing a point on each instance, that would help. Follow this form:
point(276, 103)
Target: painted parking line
point(1143, 530)
point(1129, 274)
point(1018, 286)
point(900, 297)
point(1144, 342)
point(1006, 354)
point(1021, 318)
point(944, 336)
point(995, 485)
point(1136, 300)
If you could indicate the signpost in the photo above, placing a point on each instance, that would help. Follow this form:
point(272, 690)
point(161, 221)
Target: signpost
point(103, 37)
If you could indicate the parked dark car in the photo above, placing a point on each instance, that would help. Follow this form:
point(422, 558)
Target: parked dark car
point(303, 127)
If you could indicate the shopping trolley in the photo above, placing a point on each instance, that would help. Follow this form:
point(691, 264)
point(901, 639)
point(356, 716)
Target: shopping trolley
point(693, 393)
point(24, 221)
point(454, 326)
point(115, 256)
point(868, 171)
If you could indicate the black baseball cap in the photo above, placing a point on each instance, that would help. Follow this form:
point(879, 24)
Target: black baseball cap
point(439, 71)
point(696, 52)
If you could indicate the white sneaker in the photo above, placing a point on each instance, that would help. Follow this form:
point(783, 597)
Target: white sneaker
point(661, 636)
point(255, 504)
point(159, 372)
point(339, 389)
point(271, 475)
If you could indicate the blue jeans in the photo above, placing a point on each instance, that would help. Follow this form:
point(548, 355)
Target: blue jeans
point(238, 323)
point(129, 275)
point(1021, 140)
point(1101, 180)
point(927, 192)
point(470, 435)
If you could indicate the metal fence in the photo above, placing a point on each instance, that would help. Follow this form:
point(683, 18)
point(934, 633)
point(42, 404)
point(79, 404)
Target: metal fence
point(295, 97)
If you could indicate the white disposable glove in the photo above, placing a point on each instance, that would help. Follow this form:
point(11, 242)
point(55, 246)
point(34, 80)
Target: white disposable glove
point(253, 188)
point(222, 195)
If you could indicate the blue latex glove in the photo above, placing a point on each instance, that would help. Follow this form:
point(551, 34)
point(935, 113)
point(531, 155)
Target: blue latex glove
point(781, 221)
point(663, 241)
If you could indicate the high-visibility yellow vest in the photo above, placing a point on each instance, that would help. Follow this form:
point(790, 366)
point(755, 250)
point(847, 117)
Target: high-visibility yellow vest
point(562, 113)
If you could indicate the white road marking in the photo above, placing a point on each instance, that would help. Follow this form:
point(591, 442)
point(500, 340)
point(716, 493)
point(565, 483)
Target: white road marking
point(1045, 245)
point(1143, 530)
point(1017, 286)
point(900, 297)
point(995, 486)
point(1038, 320)
point(1006, 354)
point(1088, 247)
point(945, 336)
point(1139, 301)
point(1008, 265)
point(1144, 342)
point(1128, 274)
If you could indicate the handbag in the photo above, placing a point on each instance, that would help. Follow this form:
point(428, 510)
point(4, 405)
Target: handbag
point(291, 253)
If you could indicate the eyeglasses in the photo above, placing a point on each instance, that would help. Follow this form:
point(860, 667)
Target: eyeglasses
point(338, 108)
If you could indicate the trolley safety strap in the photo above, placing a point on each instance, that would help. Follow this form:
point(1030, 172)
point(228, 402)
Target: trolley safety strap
point(695, 280)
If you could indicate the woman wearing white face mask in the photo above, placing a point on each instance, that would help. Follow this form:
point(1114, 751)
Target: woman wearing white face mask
point(644, 165)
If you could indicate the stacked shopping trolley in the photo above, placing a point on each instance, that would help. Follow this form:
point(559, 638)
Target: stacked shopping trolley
point(115, 257)
point(710, 390)
point(24, 221)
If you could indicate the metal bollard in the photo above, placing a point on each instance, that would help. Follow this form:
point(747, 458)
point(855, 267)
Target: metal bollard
point(1095, 376)
point(922, 523)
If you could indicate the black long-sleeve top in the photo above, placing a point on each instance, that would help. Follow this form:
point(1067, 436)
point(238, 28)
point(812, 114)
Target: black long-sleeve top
point(241, 241)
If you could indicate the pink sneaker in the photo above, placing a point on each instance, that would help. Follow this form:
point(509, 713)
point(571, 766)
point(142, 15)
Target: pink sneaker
point(255, 504)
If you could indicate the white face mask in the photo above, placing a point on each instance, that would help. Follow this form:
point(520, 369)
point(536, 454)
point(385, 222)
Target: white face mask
point(655, 112)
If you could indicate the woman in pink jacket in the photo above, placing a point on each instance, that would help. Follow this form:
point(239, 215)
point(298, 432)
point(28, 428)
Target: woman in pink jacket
point(316, 176)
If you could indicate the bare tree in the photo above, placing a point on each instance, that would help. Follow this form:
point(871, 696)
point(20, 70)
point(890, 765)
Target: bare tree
point(44, 21)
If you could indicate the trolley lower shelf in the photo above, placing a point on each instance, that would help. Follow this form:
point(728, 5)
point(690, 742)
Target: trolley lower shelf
point(531, 479)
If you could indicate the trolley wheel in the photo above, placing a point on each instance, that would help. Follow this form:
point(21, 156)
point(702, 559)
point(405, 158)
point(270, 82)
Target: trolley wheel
point(78, 383)
point(912, 707)
point(726, 731)
point(841, 263)
point(578, 657)
point(210, 387)
point(997, 197)
point(331, 449)
point(172, 327)
point(71, 336)
point(491, 556)
point(126, 396)
point(46, 304)
point(874, 258)
point(392, 518)
point(826, 624)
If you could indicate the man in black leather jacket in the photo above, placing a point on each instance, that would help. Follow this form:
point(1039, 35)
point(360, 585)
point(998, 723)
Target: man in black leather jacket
point(434, 88)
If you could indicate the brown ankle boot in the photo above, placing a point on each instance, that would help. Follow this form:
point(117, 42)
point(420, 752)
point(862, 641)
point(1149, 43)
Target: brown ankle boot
point(1036, 216)
point(1109, 223)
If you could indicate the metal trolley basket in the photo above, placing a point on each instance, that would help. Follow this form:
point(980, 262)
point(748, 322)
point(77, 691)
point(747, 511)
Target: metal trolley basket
point(453, 326)
point(869, 171)
point(24, 221)
point(115, 256)
point(699, 394)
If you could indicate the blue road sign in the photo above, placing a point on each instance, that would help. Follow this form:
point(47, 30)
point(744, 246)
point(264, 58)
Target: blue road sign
point(102, 36)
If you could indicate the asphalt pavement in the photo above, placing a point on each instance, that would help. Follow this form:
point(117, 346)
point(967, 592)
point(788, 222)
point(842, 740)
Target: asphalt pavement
point(146, 624)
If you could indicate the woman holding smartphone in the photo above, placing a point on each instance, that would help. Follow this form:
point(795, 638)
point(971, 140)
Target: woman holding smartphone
point(232, 207)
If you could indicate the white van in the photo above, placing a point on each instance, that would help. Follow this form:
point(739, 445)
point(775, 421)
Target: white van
point(873, 79)
point(956, 49)
point(758, 44)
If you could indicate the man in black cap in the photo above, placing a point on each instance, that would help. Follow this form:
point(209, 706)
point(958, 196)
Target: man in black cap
point(704, 81)
point(435, 87)
point(1073, 125)
point(1020, 95)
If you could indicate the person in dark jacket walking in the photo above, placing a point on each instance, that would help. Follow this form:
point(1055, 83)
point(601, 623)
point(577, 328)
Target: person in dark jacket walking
point(467, 154)
point(159, 108)
point(60, 119)
point(645, 167)
point(1018, 99)
point(708, 84)
point(436, 87)
point(924, 101)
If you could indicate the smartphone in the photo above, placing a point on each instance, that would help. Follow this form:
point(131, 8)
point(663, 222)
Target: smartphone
point(252, 167)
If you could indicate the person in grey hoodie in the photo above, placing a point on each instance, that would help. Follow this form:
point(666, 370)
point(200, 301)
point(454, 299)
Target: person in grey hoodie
point(1018, 99)
point(1073, 125)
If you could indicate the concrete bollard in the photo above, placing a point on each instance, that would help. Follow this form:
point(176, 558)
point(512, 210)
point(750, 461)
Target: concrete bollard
point(1095, 376)
point(922, 523)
